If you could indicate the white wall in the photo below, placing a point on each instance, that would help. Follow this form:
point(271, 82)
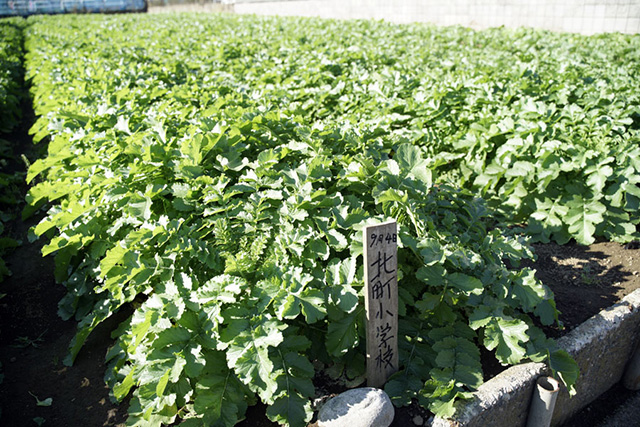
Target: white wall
point(580, 16)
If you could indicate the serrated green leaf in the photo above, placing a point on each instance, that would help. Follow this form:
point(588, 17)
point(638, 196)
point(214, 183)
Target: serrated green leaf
point(597, 179)
point(295, 388)
point(439, 398)
point(220, 397)
point(295, 297)
point(465, 283)
point(312, 303)
point(121, 390)
point(583, 216)
point(342, 335)
point(547, 312)
point(411, 162)
point(433, 275)
point(248, 356)
point(481, 316)
point(140, 207)
point(292, 409)
point(459, 359)
point(336, 239)
point(223, 289)
point(428, 302)
point(162, 383)
point(506, 337)
point(529, 291)
point(320, 249)
point(431, 252)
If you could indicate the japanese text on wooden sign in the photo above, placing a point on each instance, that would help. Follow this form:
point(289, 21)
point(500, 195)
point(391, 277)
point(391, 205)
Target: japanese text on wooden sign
point(381, 301)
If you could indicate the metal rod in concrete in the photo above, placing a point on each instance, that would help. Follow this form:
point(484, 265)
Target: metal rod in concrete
point(543, 402)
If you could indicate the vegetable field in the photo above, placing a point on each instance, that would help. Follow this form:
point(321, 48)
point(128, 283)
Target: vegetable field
point(214, 173)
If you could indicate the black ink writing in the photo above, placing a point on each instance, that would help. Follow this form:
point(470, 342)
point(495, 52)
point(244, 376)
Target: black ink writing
point(381, 264)
point(378, 288)
point(381, 311)
point(380, 238)
point(384, 359)
point(382, 333)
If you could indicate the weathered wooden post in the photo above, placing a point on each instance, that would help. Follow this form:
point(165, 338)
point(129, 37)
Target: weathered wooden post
point(381, 301)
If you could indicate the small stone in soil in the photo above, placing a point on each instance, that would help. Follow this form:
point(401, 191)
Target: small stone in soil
point(359, 407)
point(418, 420)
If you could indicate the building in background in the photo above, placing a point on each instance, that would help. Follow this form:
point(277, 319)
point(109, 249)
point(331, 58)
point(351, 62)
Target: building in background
point(577, 16)
point(31, 7)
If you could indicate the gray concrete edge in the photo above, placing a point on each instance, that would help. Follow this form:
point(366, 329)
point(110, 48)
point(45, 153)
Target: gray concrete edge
point(601, 346)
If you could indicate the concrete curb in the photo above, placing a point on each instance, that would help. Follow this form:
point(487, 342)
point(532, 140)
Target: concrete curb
point(601, 346)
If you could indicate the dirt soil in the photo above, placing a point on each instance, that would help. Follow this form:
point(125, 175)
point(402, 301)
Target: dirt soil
point(586, 279)
point(39, 390)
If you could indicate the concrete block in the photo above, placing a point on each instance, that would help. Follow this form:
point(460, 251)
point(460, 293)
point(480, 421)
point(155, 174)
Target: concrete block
point(503, 401)
point(601, 346)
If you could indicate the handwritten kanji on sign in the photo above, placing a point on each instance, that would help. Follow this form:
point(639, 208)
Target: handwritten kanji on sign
point(381, 301)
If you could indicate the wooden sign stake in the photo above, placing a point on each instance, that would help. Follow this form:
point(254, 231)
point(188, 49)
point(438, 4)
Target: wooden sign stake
point(381, 301)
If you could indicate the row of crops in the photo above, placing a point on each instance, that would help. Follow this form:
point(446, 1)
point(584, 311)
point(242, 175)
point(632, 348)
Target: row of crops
point(214, 173)
point(11, 95)
point(10, 73)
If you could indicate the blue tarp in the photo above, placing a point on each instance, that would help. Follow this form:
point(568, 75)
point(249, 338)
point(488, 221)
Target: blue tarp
point(32, 7)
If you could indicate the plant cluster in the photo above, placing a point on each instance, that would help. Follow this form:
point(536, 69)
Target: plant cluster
point(215, 173)
point(552, 139)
